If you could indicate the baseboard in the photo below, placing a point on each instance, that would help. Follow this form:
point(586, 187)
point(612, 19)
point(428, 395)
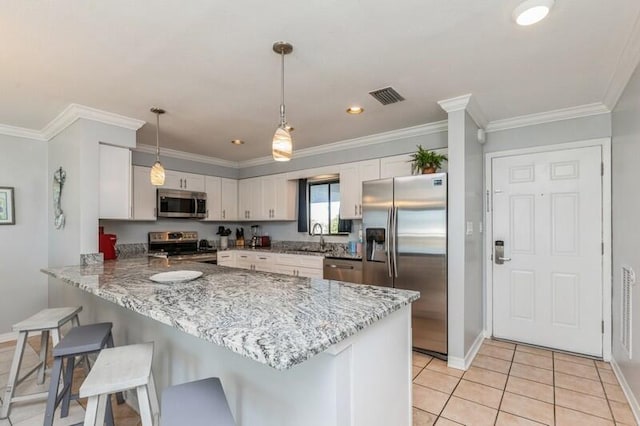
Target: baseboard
point(465, 363)
point(13, 335)
point(633, 402)
point(7, 337)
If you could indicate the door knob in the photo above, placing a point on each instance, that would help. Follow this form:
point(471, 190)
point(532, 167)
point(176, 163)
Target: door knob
point(504, 259)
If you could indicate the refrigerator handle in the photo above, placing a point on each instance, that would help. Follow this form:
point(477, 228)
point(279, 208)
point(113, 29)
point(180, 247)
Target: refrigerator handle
point(387, 239)
point(395, 241)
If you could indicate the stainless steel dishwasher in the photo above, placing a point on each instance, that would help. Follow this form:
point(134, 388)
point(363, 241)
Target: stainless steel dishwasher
point(349, 270)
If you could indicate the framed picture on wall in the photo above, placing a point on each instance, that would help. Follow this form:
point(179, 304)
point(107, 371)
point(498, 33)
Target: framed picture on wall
point(7, 209)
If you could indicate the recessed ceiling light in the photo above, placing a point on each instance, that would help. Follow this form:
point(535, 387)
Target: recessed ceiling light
point(531, 11)
point(355, 110)
point(237, 142)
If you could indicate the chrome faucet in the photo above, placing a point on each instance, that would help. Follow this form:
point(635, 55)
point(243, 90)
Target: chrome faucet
point(313, 233)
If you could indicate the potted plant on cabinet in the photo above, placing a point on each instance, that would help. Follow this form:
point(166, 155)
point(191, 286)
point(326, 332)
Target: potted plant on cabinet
point(426, 161)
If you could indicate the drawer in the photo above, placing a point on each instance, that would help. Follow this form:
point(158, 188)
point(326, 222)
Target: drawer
point(300, 260)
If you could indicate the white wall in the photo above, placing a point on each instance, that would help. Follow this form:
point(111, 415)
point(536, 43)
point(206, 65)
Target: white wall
point(23, 246)
point(136, 232)
point(625, 213)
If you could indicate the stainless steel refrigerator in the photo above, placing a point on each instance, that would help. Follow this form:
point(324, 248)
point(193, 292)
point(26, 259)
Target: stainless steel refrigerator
point(405, 227)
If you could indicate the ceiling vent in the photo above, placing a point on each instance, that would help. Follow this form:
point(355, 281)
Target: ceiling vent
point(387, 96)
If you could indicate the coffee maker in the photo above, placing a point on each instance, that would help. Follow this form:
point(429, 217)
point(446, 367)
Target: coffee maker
point(258, 240)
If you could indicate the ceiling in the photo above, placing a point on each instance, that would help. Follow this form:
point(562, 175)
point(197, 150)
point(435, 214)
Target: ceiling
point(210, 64)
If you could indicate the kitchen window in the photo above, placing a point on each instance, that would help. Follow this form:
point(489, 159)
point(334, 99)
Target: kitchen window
point(324, 207)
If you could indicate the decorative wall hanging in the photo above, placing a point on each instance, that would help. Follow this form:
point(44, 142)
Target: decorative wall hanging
point(7, 209)
point(59, 177)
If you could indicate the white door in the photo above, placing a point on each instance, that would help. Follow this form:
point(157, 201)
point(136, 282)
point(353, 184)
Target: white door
point(547, 209)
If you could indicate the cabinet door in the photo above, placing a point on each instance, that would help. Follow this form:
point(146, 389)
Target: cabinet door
point(349, 191)
point(284, 204)
point(396, 166)
point(368, 170)
point(192, 182)
point(144, 194)
point(265, 262)
point(227, 258)
point(245, 260)
point(213, 189)
point(172, 180)
point(244, 199)
point(229, 199)
point(115, 182)
point(268, 195)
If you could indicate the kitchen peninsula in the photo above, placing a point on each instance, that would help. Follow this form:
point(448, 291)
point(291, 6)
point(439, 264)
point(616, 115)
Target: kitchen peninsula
point(289, 350)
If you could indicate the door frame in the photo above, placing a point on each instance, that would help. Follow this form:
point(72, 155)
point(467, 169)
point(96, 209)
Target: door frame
point(605, 145)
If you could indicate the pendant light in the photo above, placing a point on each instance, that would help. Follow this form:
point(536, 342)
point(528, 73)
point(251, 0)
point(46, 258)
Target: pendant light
point(157, 171)
point(282, 145)
point(530, 12)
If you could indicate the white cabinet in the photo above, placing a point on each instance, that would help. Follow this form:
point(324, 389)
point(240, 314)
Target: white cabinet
point(227, 258)
point(249, 199)
point(400, 165)
point(184, 181)
point(115, 182)
point(396, 166)
point(255, 261)
point(144, 194)
point(228, 199)
point(299, 265)
point(278, 198)
point(351, 177)
point(222, 198)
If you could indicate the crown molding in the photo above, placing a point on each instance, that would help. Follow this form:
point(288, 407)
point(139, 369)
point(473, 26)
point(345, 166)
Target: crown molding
point(67, 117)
point(74, 112)
point(627, 64)
point(465, 102)
point(548, 117)
point(21, 132)
point(172, 153)
point(408, 132)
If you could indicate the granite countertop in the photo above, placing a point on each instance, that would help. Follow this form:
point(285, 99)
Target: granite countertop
point(283, 250)
point(278, 320)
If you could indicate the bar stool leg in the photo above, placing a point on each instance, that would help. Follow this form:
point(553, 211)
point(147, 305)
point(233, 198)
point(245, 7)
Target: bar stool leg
point(55, 336)
point(153, 398)
point(119, 395)
point(56, 371)
point(109, 419)
point(44, 350)
point(90, 416)
point(13, 374)
point(68, 380)
point(143, 404)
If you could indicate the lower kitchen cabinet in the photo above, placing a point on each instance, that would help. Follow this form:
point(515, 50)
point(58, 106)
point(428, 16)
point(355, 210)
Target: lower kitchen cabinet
point(227, 258)
point(256, 261)
point(287, 264)
point(299, 265)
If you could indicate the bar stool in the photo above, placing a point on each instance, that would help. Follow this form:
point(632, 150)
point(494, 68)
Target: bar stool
point(116, 370)
point(199, 403)
point(46, 321)
point(79, 341)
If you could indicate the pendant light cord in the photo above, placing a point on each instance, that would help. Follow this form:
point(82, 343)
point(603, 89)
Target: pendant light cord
point(282, 113)
point(157, 136)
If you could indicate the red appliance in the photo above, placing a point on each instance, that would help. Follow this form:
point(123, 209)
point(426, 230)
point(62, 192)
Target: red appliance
point(107, 245)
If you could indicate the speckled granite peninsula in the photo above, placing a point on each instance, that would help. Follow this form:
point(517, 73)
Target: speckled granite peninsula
point(275, 319)
point(289, 350)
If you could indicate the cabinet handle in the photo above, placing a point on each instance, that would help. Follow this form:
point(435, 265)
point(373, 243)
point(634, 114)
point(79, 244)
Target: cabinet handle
point(360, 209)
point(355, 209)
point(223, 214)
point(180, 183)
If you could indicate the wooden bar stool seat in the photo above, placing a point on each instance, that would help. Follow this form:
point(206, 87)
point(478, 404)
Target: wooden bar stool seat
point(80, 341)
point(116, 370)
point(199, 403)
point(47, 321)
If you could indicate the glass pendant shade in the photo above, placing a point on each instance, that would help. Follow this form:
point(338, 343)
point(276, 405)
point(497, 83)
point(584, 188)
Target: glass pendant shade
point(157, 174)
point(282, 146)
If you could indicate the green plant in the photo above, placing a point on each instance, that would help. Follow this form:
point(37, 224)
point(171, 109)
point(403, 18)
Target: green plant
point(425, 159)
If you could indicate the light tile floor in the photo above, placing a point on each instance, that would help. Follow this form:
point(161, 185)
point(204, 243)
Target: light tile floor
point(510, 384)
point(32, 413)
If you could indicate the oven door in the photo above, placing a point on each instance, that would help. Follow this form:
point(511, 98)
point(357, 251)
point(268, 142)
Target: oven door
point(181, 204)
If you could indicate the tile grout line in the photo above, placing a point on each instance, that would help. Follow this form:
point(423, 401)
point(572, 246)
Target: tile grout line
point(606, 397)
point(553, 381)
point(515, 347)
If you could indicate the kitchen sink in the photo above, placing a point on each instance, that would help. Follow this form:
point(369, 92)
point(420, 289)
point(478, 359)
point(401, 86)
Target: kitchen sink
point(308, 250)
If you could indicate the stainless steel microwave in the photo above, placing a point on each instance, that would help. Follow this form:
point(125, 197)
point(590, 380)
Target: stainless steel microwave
point(184, 204)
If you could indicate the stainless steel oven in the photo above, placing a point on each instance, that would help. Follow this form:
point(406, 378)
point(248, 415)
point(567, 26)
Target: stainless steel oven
point(182, 204)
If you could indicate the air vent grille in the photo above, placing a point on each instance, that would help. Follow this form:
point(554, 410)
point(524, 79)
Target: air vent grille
point(628, 279)
point(387, 96)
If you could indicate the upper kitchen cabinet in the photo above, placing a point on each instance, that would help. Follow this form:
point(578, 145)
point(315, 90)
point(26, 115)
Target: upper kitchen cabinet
point(115, 182)
point(183, 181)
point(267, 198)
point(144, 194)
point(278, 198)
point(351, 177)
point(222, 198)
point(396, 166)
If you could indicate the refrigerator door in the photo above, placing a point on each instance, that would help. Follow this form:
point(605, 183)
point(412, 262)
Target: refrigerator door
point(420, 253)
point(377, 204)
